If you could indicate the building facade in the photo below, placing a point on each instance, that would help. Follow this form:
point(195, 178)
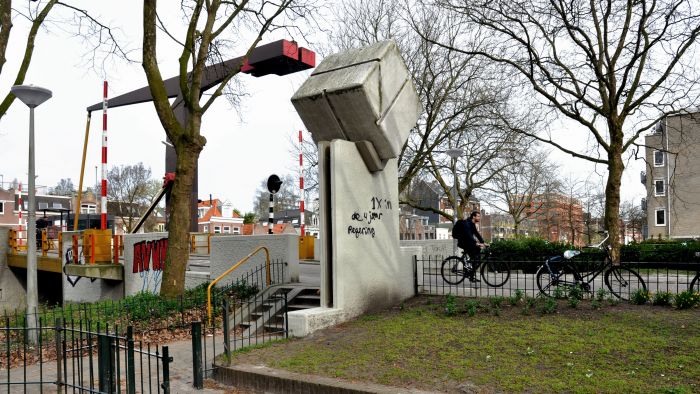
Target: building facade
point(558, 218)
point(672, 178)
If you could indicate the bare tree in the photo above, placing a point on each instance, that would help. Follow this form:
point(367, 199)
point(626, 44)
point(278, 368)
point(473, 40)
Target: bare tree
point(633, 218)
point(285, 198)
point(513, 190)
point(98, 39)
point(130, 191)
point(463, 99)
point(64, 187)
point(214, 27)
point(613, 67)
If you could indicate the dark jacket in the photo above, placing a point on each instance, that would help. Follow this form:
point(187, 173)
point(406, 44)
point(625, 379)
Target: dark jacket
point(470, 236)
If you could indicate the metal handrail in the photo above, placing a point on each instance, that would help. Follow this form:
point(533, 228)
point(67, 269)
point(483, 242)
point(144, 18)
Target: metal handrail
point(243, 260)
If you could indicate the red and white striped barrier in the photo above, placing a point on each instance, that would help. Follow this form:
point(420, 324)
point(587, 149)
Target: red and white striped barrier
point(301, 184)
point(19, 209)
point(103, 199)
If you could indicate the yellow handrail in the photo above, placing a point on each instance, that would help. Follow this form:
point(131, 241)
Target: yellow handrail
point(243, 260)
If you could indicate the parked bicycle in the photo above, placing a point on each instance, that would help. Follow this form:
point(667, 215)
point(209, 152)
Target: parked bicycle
point(558, 275)
point(455, 269)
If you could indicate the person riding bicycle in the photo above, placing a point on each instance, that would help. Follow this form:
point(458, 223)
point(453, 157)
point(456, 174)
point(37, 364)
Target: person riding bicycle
point(470, 240)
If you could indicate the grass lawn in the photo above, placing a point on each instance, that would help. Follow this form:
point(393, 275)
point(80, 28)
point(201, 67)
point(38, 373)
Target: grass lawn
point(621, 348)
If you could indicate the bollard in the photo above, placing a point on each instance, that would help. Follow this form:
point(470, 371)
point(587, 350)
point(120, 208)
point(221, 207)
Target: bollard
point(198, 382)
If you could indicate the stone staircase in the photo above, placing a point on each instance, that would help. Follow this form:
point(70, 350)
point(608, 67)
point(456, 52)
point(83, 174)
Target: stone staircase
point(264, 314)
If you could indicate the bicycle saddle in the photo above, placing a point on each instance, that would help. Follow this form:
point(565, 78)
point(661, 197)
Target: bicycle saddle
point(571, 253)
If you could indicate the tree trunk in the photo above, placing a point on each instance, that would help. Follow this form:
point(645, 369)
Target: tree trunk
point(178, 252)
point(612, 200)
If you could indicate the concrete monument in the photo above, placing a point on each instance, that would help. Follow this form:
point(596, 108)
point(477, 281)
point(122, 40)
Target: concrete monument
point(359, 106)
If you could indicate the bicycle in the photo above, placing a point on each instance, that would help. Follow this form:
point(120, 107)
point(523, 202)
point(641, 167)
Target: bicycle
point(455, 269)
point(556, 275)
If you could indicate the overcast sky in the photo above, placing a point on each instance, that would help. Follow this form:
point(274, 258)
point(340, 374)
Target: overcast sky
point(238, 155)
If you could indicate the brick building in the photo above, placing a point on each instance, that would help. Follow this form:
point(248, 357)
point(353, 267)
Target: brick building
point(558, 218)
point(216, 217)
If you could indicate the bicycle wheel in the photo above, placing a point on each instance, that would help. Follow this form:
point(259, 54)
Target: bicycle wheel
point(453, 270)
point(623, 282)
point(557, 283)
point(495, 273)
point(695, 284)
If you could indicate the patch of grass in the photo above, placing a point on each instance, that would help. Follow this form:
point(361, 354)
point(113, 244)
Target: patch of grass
point(628, 349)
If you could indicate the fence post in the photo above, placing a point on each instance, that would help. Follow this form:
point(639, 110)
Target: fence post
point(130, 368)
point(415, 275)
point(166, 371)
point(227, 334)
point(198, 381)
point(286, 317)
point(59, 355)
point(105, 371)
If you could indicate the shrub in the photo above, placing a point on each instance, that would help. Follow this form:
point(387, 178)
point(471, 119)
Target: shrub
point(600, 294)
point(575, 292)
point(573, 302)
point(662, 298)
point(450, 305)
point(686, 299)
point(517, 297)
point(640, 297)
point(596, 304)
point(549, 306)
point(471, 306)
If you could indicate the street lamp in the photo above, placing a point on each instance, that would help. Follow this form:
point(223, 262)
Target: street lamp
point(32, 97)
point(454, 153)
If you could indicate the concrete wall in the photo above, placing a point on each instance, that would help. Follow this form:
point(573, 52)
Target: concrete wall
point(146, 277)
point(12, 289)
point(79, 289)
point(433, 247)
point(228, 250)
point(366, 269)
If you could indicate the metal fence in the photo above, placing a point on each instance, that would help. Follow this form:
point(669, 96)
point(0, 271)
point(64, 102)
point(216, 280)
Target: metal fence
point(80, 357)
point(95, 350)
point(657, 277)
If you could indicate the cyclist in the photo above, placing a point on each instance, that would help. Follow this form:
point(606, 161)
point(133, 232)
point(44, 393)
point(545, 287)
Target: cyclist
point(471, 240)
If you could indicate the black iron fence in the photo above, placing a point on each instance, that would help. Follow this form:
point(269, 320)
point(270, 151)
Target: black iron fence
point(80, 357)
point(91, 347)
point(657, 277)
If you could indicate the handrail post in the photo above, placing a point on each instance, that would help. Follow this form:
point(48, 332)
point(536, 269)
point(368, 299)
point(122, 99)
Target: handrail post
point(193, 247)
point(44, 242)
point(75, 249)
point(60, 245)
point(92, 249)
point(209, 243)
point(243, 260)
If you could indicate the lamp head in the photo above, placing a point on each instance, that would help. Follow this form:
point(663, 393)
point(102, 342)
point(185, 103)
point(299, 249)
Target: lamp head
point(32, 96)
point(454, 152)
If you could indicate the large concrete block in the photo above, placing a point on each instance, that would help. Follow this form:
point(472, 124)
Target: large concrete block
point(363, 94)
point(144, 261)
point(13, 294)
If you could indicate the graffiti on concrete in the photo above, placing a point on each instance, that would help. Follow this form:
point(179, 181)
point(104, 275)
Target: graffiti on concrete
point(149, 261)
point(68, 259)
point(366, 218)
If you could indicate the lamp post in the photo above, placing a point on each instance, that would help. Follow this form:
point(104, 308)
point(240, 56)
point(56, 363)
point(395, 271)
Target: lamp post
point(454, 153)
point(32, 97)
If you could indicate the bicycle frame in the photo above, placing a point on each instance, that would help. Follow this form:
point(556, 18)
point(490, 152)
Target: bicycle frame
point(589, 277)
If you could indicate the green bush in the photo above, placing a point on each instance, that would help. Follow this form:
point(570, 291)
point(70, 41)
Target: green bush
point(686, 299)
point(640, 297)
point(471, 306)
point(664, 251)
point(549, 306)
point(662, 298)
point(450, 305)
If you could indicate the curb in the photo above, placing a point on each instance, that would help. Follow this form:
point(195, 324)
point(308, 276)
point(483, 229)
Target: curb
point(268, 380)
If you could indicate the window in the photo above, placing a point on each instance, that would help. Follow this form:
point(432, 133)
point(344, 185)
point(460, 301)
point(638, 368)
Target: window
point(57, 205)
point(659, 189)
point(660, 217)
point(161, 227)
point(88, 208)
point(43, 205)
point(206, 229)
point(236, 230)
point(217, 229)
point(227, 230)
point(2, 207)
point(658, 158)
